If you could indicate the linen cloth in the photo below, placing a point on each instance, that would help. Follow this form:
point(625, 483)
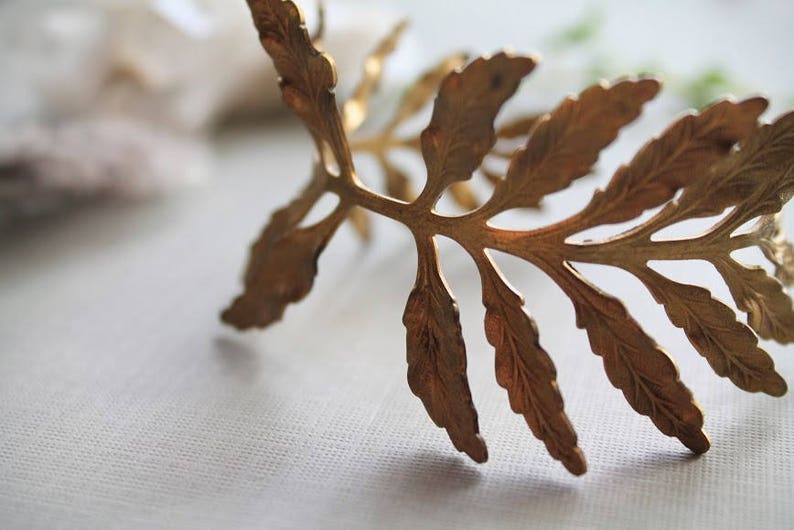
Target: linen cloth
point(124, 403)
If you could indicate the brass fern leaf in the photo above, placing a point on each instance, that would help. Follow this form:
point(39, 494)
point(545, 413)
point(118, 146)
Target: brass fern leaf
point(720, 161)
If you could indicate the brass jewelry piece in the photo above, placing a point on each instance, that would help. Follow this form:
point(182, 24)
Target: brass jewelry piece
point(718, 161)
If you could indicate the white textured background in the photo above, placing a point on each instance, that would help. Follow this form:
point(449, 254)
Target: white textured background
point(125, 404)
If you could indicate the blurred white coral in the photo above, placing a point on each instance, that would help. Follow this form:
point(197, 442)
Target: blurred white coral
point(42, 168)
point(185, 63)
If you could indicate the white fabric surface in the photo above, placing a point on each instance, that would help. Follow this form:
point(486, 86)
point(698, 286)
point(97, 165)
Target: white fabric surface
point(124, 403)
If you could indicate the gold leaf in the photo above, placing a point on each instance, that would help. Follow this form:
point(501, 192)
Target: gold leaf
point(415, 98)
point(491, 176)
point(398, 184)
point(359, 219)
point(565, 144)
point(729, 346)
point(437, 356)
point(688, 148)
point(769, 309)
point(285, 220)
point(762, 170)
point(525, 369)
point(784, 271)
point(281, 275)
point(463, 195)
point(634, 362)
point(354, 111)
point(779, 251)
point(307, 75)
point(461, 130)
point(424, 89)
point(518, 127)
point(319, 32)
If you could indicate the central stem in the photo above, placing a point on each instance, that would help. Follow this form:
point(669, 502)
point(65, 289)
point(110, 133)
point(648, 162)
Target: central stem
point(471, 231)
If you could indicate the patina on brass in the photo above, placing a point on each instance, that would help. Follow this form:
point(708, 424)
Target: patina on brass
point(720, 161)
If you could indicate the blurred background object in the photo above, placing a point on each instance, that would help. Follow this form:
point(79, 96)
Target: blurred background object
point(44, 167)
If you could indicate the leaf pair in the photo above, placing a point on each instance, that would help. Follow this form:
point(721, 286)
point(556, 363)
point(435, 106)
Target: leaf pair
point(720, 161)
